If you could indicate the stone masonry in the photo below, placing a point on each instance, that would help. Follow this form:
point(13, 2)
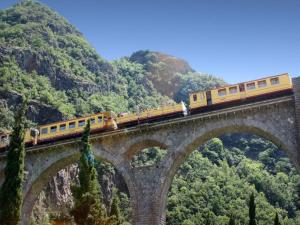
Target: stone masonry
point(277, 120)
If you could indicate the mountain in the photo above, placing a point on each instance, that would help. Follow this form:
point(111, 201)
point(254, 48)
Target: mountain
point(165, 71)
point(45, 57)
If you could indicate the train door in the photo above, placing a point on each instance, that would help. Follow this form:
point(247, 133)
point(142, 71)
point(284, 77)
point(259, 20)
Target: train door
point(242, 90)
point(208, 98)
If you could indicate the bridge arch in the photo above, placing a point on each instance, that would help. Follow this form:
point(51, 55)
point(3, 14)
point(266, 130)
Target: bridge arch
point(269, 130)
point(63, 157)
point(140, 145)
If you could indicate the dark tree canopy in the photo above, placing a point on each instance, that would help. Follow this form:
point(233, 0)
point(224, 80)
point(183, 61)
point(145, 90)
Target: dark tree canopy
point(11, 196)
point(276, 220)
point(88, 203)
point(252, 213)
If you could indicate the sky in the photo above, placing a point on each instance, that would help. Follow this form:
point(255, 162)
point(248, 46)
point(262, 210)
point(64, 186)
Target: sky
point(237, 40)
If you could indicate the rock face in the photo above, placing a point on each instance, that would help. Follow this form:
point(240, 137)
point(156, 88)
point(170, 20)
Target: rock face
point(58, 193)
point(55, 201)
point(164, 70)
point(37, 112)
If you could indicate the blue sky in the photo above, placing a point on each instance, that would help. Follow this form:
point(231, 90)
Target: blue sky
point(237, 40)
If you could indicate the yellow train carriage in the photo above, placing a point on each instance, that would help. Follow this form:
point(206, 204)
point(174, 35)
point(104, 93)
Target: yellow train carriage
point(30, 137)
point(171, 111)
point(72, 128)
point(64, 129)
point(243, 92)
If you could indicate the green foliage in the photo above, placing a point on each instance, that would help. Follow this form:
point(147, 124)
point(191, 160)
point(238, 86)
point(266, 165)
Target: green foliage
point(207, 189)
point(136, 87)
point(11, 192)
point(125, 207)
point(36, 86)
point(6, 118)
point(107, 173)
point(111, 102)
point(196, 82)
point(115, 211)
point(148, 156)
point(214, 150)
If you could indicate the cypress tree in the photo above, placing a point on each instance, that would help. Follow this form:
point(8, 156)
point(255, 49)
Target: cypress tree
point(11, 195)
point(252, 206)
point(231, 220)
point(276, 220)
point(88, 202)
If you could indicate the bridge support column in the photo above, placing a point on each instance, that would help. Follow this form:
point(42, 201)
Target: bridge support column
point(148, 202)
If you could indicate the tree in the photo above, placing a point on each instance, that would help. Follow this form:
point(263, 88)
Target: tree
point(252, 206)
point(276, 220)
point(231, 220)
point(214, 150)
point(11, 196)
point(115, 211)
point(88, 203)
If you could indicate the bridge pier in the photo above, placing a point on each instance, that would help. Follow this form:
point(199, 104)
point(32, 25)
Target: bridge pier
point(148, 203)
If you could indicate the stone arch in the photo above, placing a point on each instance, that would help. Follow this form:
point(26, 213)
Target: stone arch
point(34, 187)
point(266, 130)
point(140, 145)
point(37, 186)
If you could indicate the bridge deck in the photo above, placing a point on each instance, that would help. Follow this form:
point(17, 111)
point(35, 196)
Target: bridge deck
point(168, 122)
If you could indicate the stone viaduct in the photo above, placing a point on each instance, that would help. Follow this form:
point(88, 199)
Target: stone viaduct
point(277, 120)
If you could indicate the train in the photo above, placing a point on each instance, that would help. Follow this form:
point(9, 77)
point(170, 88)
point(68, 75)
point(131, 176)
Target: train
point(200, 101)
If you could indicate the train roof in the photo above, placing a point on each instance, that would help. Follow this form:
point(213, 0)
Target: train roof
point(230, 85)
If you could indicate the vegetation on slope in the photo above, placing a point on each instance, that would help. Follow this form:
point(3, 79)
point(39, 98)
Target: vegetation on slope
point(216, 182)
point(45, 57)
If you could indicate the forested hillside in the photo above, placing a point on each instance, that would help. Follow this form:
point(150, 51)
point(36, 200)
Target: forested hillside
point(217, 180)
point(49, 60)
point(45, 57)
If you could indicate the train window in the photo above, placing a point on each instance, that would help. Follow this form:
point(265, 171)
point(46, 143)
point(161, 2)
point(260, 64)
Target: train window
point(92, 120)
point(99, 119)
point(201, 96)
point(274, 81)
point(250, 86)
point(222, 92)
point(81, 123)
point(72, 125)
point(242, 87)
point(262, 83)
point(62, 127)
point(233, 90)
point(53, 129)
point(44, 130)
point(195, 97)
